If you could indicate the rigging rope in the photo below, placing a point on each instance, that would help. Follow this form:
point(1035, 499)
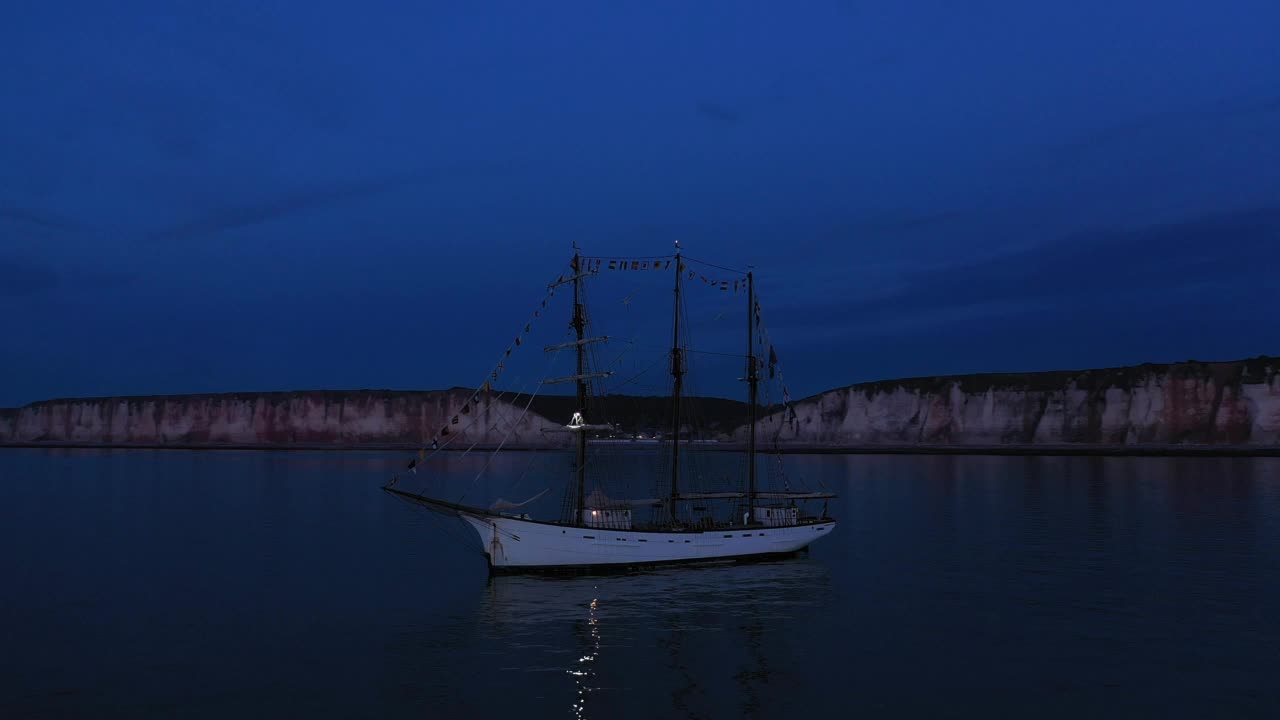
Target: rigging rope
point(718, 267)
point(472, 402)
point(506, 437)
point(695, 414)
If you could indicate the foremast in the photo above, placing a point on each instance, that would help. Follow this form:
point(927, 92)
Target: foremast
point(677, 374)
point(580, 329)
point(753, 389)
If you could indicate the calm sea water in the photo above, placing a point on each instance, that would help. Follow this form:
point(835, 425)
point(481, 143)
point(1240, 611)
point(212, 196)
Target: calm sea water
point(239, 584)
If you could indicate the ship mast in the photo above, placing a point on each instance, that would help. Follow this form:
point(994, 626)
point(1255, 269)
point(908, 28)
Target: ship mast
point(580, 327)
point(753, 382)
point(677, 372)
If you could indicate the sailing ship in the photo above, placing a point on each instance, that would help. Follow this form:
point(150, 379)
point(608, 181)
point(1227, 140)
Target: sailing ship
point(682, 519)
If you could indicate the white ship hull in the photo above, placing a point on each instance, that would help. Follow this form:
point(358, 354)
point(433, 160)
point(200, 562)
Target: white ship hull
point(516, 545)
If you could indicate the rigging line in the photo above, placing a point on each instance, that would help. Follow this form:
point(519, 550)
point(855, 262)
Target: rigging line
point(496, 405)
point(502, 411)
point(476, 392)
point(599, 388)
point(596, 386)
point(787, 403)
point(718, 267)
point(628, 257)
point(535, 316)
point(622, 354)
point(687, 350)
point(647, 369)
point(451, 529)
point(518, 390)
point(695, 410)
point(527, 469)
point(506, 437)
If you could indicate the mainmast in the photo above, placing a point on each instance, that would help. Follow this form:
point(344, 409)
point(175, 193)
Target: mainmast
point(580, 327)
point(677, 372)
point(753, 382)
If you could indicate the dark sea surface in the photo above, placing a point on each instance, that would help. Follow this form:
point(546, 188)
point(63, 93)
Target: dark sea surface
point(141, 584)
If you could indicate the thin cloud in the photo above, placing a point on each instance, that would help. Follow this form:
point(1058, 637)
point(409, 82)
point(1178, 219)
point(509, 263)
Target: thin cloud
point(285, 205)
point(1121, 132)
point(718, 114)
point(897, 221)
point(1221, 250)
point(37, 218)
point(21, 278)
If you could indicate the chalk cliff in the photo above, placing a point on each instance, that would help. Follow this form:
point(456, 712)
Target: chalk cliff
point(1185, 404)
point(1192, 403)
point(350, 418)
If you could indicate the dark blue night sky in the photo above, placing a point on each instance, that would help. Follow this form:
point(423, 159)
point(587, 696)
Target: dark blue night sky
point(201, 196)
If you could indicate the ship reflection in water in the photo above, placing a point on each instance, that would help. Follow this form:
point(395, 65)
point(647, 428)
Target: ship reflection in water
point(661, 643)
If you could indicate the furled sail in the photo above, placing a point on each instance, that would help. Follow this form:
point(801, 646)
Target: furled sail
point(500, 504)
point(597, 500)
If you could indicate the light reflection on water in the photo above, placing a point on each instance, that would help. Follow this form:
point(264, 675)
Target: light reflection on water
point(617, 637)
point(584, 676)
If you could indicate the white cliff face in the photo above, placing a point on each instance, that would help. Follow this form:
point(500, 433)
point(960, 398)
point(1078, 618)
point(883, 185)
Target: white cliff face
point(1191, 403)
point(278, 419)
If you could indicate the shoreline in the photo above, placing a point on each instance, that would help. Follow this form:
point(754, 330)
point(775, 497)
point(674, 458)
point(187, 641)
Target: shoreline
point(791, 449)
